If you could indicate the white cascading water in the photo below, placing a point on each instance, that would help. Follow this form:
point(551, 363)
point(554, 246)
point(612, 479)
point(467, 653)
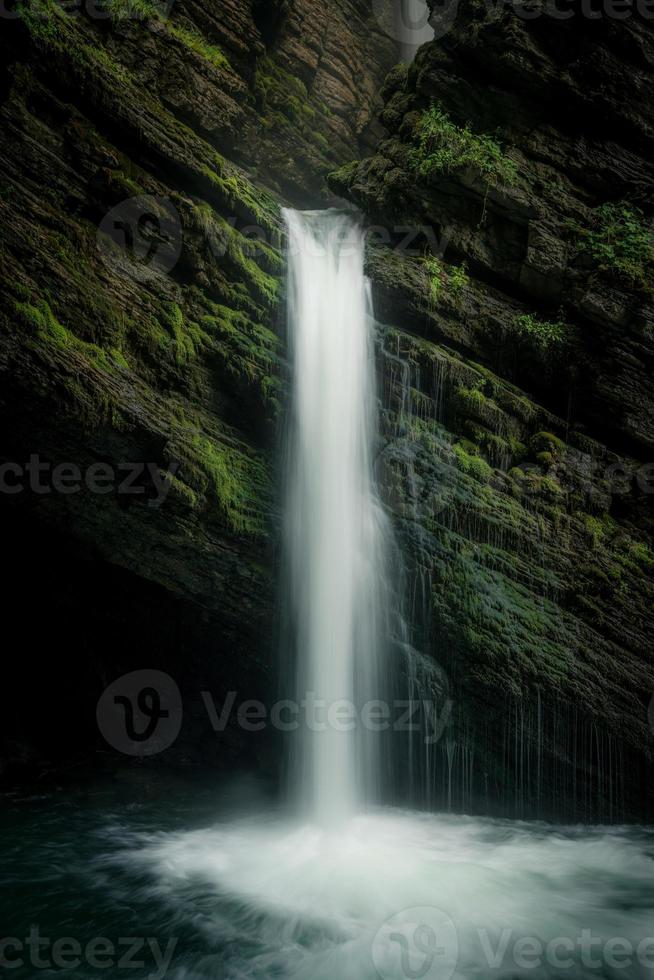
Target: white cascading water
point(336, 528)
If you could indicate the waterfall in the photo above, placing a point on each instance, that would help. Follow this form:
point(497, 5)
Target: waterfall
point(386, 894)
point(336, 531)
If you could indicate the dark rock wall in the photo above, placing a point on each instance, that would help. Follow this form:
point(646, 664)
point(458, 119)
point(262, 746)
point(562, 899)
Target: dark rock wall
point(141, 324)
point(522, 466)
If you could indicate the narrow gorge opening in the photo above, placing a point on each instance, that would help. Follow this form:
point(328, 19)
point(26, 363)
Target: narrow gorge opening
point(325, 490)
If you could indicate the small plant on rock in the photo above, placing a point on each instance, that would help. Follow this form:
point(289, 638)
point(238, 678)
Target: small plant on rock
point(453, 279)
point(544, 334)
point(443, 147)
point(458, 279)
point(618, 241)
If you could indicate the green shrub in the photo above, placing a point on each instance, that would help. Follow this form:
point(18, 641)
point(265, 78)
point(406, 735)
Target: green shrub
point(458, 279)
point(618, 241)
point(443, 147)
point(435, 277)
point(544, 334)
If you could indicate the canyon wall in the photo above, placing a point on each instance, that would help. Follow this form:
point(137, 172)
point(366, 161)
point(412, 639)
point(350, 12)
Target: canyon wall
point(146, 154)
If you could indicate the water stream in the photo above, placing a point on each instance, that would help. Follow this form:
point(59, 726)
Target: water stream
point(337, 532)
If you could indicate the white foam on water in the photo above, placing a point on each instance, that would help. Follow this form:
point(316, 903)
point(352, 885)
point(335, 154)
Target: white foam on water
point(399, 895)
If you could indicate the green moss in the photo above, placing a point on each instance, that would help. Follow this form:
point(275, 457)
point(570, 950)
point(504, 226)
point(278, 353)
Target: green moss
point(498, 447)
point(547, 442)
point(642, 553)
point(119, 358)
point(42, 321)
point(248, 352)
point(274, 85)
point(235, 189)
point(246, 256)
point(46, 329)
point(543, 334)
point(471, 403)
point(470, 463)
point(121, 10)
point(472, 399)
point(183, 492)
point(66, 40)
point(518, 448)
point(444, 147)
point(596, 528)
point(320, 141)
point(187, 336)
point(238, 480)
point(125, 186)
point(45, 20)
point(283, 101)
point(78, 386)
point(550, 489)
point(505, 638)
point(343, 178)
point(265, 286)
point(194, 42)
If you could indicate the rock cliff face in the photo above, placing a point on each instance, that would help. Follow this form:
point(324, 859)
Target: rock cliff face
point(145, 157)
point(145, 160)
point(525, 459)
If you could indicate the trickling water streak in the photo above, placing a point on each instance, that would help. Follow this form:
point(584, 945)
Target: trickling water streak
point(336, 528)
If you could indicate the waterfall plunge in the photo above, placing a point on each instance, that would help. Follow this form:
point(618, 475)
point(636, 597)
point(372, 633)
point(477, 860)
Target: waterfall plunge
point(336, 529)
point(391, 893)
